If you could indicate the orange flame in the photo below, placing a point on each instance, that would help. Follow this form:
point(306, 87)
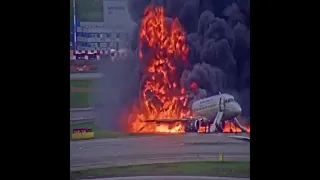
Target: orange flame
point(202, 129)
point(229, 127)
point(161, 97)
point(194, 85)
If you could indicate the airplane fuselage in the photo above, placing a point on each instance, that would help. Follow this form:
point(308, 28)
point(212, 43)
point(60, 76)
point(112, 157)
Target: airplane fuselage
point(209, 107)
point(209, 113)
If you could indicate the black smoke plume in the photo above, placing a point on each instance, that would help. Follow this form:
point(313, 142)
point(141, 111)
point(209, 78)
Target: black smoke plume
point(219, 41)
point(218, 36)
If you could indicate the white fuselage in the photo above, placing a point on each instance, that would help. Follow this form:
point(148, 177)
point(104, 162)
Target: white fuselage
point(209, 107)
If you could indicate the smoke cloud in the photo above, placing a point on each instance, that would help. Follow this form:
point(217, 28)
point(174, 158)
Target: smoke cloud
point(218, 36)
point(211, 79)
point(116, 91)
point(219, 42)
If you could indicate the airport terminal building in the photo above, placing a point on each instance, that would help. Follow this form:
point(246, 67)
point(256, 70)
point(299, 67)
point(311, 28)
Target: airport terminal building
point(99, 37)
point(96, 36)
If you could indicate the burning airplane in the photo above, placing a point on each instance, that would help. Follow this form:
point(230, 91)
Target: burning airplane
point(211, 115)
point(165, 105)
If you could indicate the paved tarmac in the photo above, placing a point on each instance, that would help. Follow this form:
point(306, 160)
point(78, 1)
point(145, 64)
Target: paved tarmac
point(155, 149)
point(83, 76)
point(171, 178)
point(81, 114)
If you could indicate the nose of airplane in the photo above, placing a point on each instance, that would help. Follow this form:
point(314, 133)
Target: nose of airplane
point(237, 109)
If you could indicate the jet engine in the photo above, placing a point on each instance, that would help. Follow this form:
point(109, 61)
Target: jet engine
point(192, 125)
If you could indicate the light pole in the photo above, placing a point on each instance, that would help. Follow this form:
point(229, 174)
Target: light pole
point(74, 26)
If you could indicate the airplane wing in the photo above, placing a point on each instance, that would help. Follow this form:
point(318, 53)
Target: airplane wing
point(167, 120)
point(243, 138)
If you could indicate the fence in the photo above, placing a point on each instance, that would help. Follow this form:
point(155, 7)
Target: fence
point(87, 61)
point(96, 55)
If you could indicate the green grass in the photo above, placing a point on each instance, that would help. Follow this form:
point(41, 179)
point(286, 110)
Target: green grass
point(98, 132)
point(81, 83)
point(80, 99)
point(200, 168)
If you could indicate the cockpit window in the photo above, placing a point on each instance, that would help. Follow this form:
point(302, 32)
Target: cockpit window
point(229, 100)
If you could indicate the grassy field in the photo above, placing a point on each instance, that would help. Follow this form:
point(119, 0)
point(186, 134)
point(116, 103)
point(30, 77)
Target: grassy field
point(81, 92)
point(98, 132)
point(201, 168)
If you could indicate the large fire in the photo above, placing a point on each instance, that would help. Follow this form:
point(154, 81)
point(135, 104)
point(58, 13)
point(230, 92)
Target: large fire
point(161, 96)
point(162, 47)
point(229, 127)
